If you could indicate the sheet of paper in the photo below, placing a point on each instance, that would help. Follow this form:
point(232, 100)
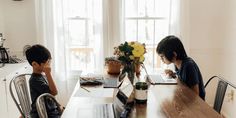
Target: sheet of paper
point(94, 92)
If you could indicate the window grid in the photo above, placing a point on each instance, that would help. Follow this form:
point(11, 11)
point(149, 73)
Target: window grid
point(81, 52)
point(150, 47)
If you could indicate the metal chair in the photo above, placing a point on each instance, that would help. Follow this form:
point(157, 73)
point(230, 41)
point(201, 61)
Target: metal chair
point(23, 100)
point(40, 104)
point(220, 91)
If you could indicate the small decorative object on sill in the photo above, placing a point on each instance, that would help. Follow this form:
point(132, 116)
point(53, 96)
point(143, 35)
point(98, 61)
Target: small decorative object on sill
point(113, 65)
point(141, 89)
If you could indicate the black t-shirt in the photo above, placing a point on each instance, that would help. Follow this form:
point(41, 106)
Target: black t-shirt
point(190, 74)
point(39, 85)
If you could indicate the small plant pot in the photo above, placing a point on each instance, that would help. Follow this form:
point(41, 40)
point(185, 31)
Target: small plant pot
point(113, 67)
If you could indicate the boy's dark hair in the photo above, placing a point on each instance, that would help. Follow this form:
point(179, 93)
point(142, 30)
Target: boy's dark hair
point(169, 45)
point(37, 53)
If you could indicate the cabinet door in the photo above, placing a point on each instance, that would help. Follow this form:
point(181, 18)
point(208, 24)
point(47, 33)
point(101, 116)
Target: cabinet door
point(13, 112)
point(3, 101)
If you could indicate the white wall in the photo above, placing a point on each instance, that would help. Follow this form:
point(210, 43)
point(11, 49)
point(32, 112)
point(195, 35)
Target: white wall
point(1, 17)
point(19, 24)
point(212, 40)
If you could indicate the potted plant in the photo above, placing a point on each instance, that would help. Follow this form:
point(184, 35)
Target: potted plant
point(113, 65)
point(131, 55)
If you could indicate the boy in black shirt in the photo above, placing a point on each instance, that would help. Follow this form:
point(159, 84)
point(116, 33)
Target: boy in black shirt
point(171, 50)
point(39, 58)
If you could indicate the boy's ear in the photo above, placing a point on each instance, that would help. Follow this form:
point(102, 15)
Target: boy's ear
point(34, 63)
point(175, 54)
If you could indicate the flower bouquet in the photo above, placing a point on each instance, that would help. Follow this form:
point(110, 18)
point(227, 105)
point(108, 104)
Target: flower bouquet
point(131, 55)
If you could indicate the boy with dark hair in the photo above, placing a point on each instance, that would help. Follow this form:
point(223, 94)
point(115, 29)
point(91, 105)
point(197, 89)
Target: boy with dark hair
point(39, 58)
point(171, 50)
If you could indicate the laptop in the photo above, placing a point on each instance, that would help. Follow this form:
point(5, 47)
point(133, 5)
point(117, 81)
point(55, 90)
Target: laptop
point(156, 79)
point(161, 79)
point(111, 110)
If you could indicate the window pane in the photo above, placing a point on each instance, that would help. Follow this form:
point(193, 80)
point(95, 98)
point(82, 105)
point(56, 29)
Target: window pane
point(149, 57)
point(81, 58)
point(146, 26)
point(73, 8)
point(146, 31)
point(161, 30)
point(84, 32)
point(77, 34)
point(131, 30)
point(162, 8)
point(150, 8)
point(141, 8)
point(130, 8)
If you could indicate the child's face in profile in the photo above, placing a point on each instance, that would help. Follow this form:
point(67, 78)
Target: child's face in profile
point(164, 59)
point(40, 67)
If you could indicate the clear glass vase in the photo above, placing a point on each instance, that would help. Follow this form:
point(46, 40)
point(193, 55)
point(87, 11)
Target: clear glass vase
point(131, 76)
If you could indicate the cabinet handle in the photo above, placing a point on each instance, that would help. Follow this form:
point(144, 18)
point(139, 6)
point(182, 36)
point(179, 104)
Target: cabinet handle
point(4, 80)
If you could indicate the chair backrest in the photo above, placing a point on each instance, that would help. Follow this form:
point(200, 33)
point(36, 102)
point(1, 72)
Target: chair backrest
point(23, 100)
point(40, 104)
point(220, 92)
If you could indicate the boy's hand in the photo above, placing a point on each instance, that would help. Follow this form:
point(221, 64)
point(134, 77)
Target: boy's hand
point(47, 67)
point(170, 73)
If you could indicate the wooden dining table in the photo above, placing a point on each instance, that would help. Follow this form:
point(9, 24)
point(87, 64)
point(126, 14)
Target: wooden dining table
point(163, 101)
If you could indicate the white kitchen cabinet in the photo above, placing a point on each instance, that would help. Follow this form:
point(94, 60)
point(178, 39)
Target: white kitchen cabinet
point(13, 112)
point(3, 101)
point(10, 71)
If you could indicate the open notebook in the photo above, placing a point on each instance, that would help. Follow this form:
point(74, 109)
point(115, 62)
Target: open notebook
point(161, 79)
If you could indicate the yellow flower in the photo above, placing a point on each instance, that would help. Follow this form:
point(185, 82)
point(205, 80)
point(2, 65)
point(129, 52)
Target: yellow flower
point(131, 57)
point(130, 52)
point(141, 59)
point(138, 50)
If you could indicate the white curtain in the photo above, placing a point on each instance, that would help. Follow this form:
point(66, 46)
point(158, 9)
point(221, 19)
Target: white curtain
point(53, 32)
point(49, 22)
point(179, 21)
point(112, 25)
point(60, 38)
point(174, 24)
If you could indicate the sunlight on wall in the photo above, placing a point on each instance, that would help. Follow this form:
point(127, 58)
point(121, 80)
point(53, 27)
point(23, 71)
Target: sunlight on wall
point(212, 42)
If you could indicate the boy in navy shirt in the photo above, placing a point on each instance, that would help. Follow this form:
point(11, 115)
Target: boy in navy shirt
point(39, 58)
point(171, 50)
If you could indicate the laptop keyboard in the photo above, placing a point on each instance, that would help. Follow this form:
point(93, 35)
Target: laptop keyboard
point(157, 79)
point(103, 111)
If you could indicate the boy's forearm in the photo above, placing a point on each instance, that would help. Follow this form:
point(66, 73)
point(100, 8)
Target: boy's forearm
point(52, 85)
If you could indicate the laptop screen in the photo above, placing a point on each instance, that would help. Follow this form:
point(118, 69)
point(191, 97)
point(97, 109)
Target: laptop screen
point(122, 97)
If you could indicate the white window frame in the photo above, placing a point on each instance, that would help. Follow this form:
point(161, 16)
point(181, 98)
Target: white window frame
point(156, 62)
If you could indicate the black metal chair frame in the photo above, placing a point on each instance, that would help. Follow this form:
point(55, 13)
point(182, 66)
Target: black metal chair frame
point(220, 91)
